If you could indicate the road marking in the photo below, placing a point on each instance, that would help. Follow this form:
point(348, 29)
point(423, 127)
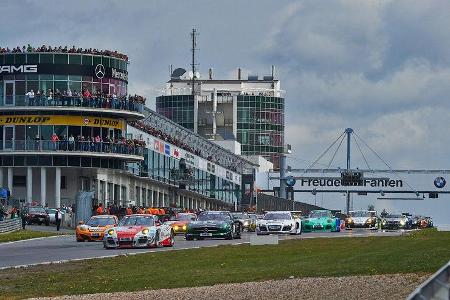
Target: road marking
point(34, 239)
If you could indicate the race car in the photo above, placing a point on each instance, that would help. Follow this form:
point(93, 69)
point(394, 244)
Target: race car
point(139, 231)
point(395, 221)
point(362, 219)
point(321, 220)
point(279, 222)
point(94, 229)
point(214, 224)
point(244, 219)
point(180, 221)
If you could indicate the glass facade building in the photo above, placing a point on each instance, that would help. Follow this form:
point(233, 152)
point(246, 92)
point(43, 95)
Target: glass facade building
point(260, 126)
point(179, 108)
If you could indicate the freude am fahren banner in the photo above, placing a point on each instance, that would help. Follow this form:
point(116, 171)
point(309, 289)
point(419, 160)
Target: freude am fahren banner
point(376, 181)
point(62, 120)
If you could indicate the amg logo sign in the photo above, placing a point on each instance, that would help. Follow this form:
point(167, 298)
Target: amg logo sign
point(18, 69)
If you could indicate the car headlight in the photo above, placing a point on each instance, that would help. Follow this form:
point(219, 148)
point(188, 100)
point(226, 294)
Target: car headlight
point(246, 223)
point(145, 231)
point(384, 222)
point(184, 227)
point(402, 222)
point(329, 220)
point(350, 220)
point(226, 225)
point(111, 231)
point(176, 227)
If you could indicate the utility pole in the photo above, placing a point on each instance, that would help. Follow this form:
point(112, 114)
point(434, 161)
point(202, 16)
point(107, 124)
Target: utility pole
point(193, 64)
point(348, 131)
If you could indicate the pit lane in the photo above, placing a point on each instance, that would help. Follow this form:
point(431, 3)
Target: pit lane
point(62, 248)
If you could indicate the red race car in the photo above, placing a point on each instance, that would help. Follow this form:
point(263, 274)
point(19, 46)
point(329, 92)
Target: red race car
point(139, 231)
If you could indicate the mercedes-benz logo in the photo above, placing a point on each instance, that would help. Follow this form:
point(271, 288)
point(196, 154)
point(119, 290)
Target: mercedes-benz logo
point(439, 182)
point(99, 71)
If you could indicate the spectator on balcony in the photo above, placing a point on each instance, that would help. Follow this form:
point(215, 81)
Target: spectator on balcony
point(55, 141)
point(49, 97)
point(98, 141)
point(71, 143)
point(30, 96)
point(86, 94)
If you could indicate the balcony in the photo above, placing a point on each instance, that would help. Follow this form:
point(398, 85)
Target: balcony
point(79, 148)
point(122, 107)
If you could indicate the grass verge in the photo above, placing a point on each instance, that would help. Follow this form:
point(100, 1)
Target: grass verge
point(24, 235)
point(420, 252)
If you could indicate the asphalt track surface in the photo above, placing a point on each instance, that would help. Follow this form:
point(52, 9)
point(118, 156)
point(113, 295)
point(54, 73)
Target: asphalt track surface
point(63, 248)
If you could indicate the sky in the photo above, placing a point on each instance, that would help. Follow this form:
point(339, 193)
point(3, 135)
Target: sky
point(379, 67)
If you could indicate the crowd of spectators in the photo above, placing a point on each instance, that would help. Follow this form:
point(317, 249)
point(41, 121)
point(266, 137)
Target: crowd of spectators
point(61, 49)
point(84, 99)
point(88, 144)
point(176, 142)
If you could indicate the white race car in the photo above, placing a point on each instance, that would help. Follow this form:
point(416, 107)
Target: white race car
point(279, 222)
point(139, 231)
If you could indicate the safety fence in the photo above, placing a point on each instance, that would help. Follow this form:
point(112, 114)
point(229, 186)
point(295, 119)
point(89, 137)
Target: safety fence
point(436, 287)
point(10, 225)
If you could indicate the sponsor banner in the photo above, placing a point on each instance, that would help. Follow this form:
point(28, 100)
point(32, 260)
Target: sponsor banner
point(99, 71)
point(377, 181)
point(62, 120)
point(167, 149)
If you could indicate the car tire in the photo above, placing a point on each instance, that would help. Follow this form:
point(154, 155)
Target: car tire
point(230, 236)
point(189, 238)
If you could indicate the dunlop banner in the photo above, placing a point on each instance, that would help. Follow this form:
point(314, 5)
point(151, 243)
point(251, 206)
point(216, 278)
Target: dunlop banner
point(62, 120)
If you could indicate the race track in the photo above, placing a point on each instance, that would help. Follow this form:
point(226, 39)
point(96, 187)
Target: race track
point(62, 248)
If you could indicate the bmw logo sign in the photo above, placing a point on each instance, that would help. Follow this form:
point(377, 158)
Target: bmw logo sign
point(290, 181)
point(439, 182)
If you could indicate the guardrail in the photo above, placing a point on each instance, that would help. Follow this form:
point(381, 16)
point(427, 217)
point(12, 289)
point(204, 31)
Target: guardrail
point(436, 287)
point(10, 225)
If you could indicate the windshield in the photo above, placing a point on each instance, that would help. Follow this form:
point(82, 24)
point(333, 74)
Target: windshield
point(101, 221)
point(137, 221)
point(359, 214)
point(319, 214)
point(253, 217)
point(277, 216)
point(51, 211)
point(239, 216)
point(183, 217)
point(213, 216)
point(394, 216)
point(37, 210)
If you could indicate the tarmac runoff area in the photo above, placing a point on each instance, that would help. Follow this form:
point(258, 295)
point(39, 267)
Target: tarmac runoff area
point(60, 249)
point(394, 286)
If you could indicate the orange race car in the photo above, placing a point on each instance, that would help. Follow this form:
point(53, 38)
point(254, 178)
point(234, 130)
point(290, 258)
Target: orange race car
point(179, 221)
point(94, 229)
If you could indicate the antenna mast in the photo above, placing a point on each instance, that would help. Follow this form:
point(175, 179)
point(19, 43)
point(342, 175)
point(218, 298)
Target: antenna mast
point(193, 64)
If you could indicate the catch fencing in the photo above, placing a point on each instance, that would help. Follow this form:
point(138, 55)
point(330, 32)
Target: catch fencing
point(10, 225)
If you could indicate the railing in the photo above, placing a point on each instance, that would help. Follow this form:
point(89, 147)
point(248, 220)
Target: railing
point(10, 225)
point(76, 146)
point(436, 287)
point(72, 101)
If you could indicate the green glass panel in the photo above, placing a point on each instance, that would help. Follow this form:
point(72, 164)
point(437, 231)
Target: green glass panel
point(87, 60)
point(60, 59)
point(46, 58)
point(74, 59)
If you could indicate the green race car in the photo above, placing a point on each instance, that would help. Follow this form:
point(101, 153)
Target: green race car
point(321, 220)
point(214, 224)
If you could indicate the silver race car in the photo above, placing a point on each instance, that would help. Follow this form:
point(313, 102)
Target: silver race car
point(279, 222)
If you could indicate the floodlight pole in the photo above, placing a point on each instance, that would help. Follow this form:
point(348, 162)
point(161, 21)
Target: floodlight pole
point(348, 131)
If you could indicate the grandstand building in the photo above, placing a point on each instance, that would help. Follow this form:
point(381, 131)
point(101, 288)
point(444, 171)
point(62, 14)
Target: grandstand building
point(249, 111)
point(67, 125)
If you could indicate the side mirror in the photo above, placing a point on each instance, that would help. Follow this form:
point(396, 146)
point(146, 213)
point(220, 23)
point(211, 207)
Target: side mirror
point(81, 222)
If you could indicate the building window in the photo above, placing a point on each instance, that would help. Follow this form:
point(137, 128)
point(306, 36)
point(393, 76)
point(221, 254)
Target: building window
point(63, 182)
point(19, 180)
